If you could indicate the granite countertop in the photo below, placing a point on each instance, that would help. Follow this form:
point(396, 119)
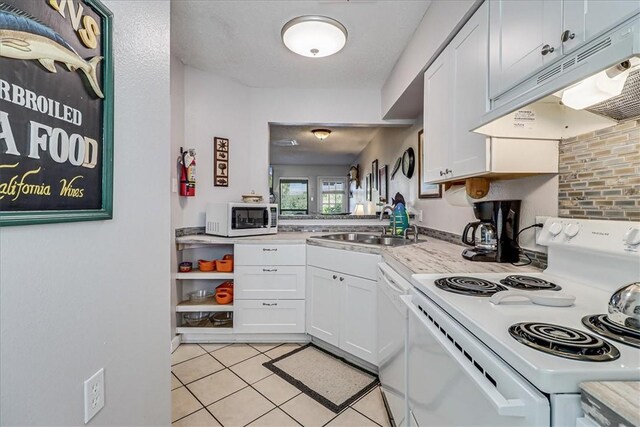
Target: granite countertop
point(279, 238)
point(435, 256)
point(612, 403)
point(427, 256)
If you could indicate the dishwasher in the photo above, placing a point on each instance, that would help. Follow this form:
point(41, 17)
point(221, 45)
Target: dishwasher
point(392, 330)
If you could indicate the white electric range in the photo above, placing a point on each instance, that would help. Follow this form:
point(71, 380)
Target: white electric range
point(473, 362)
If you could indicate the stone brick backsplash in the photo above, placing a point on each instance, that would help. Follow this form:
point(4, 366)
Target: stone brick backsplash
point(600, 174)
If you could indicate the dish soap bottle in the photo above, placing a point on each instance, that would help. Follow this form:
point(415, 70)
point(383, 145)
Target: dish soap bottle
point(400, 214)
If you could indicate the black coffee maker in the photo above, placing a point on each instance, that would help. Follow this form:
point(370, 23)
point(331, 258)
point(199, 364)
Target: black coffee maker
point(493, 237)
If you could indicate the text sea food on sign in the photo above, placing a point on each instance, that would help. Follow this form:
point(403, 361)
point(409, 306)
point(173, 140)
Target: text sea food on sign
point(51, 108)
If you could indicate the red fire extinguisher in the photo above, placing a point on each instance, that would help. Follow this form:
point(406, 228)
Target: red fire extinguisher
point(187, 173)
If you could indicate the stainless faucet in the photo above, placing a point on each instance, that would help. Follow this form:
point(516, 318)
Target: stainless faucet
point(415, 232)
point(389, 208)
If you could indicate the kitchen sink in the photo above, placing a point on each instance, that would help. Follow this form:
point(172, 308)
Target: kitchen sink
point(367, 238)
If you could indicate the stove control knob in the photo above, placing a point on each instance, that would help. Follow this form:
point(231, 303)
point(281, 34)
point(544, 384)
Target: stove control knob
point(571, 230)
point(555, 228)
point(632, 236)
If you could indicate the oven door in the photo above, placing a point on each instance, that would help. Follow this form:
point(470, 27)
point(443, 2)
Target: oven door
point(455, 380)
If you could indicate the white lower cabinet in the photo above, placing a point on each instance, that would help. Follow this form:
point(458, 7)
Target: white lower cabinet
point(359, 308)
point(341, 307)
point(269, 316)
point(269, 281)
point(323, 305)
point(269, 288)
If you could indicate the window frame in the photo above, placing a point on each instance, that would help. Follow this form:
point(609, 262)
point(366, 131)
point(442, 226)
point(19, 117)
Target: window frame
point(345, 192)
point(301, 180)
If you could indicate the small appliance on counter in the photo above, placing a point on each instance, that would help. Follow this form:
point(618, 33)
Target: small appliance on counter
point(241, 219)
point(493, 237)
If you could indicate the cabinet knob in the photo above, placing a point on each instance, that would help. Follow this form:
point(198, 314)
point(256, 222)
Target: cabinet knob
point(441, 173)
point(547, 49)
point(342, 279)
point(335, 277)
point(566, 36)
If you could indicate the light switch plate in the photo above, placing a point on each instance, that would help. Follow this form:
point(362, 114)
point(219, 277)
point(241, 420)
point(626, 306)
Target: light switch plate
point(93, 395)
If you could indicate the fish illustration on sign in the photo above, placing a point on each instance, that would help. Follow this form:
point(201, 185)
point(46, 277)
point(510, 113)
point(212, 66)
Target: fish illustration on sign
point(24, 37)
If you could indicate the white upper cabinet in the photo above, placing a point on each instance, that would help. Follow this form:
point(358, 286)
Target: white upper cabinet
point(438, 118)
point(524, 37)
point(469, 52)
point(455, 96)
point(586, 19)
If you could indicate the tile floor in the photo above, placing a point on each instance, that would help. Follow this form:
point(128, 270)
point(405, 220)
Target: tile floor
point(226, 385)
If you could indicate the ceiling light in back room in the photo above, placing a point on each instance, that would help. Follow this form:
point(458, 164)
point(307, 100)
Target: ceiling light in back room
point(285, 143)
point(321, 134)
point(314, 36)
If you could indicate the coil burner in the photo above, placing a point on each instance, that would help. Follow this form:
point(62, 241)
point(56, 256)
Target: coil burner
point(563, 342)
point(528, 283)
point(469, 286)
point(601, 325)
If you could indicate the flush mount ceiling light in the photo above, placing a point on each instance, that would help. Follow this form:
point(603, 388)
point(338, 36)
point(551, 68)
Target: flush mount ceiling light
point(314, 36)
point(321, 134)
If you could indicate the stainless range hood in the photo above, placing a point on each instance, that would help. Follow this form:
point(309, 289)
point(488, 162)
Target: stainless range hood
point(534, 108)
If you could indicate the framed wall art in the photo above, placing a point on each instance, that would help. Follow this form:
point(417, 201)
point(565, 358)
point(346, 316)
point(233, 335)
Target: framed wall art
point(220, 162)
point(56, 112)
point(374, 170)
point(383, 178)
point(425, 191)
point(367, 187)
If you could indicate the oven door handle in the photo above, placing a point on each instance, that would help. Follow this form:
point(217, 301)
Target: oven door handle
point(504, 406)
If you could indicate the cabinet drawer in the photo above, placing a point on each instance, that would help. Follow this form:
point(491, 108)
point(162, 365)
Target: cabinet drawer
point(269, 316)
point(264, 254)
point(344, 261)
point(269, 281)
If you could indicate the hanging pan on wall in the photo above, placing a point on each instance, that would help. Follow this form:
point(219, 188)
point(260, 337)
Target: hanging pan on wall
point(408, 162)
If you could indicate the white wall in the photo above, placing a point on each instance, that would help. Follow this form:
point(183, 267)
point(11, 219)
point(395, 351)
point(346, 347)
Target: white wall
point(539, 194)
point(81, 296)
point(309, 171)
point(177, 140)
point(216, 107)
point(219, 107)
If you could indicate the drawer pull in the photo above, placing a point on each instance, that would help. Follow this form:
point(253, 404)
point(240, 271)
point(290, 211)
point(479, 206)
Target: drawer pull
point(269, 249)
point(270, 304)
point(269, 270)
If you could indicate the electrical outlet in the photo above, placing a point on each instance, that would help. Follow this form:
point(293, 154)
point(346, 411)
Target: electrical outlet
point(540, 220)
point(93, 395)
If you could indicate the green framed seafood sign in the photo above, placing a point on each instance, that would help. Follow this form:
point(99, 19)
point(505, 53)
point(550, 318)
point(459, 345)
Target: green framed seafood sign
point(56, 111)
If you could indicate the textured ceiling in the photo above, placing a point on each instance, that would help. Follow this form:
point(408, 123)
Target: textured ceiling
point(340, 148)
point(241, 40)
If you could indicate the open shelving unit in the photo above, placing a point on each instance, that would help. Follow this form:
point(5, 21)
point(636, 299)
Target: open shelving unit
point(194, 280)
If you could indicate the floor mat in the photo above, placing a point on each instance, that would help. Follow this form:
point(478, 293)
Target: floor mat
point(331, 381)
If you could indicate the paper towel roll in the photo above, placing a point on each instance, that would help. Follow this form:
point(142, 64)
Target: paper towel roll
point(456, 195)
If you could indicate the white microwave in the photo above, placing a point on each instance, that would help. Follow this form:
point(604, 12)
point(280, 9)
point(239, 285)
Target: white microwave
point(241, 219)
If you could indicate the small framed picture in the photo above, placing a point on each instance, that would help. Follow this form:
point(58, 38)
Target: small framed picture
point(425, 191)
point(374, 170)
point(220, 162)
point(383, 178)
point(367, 186)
